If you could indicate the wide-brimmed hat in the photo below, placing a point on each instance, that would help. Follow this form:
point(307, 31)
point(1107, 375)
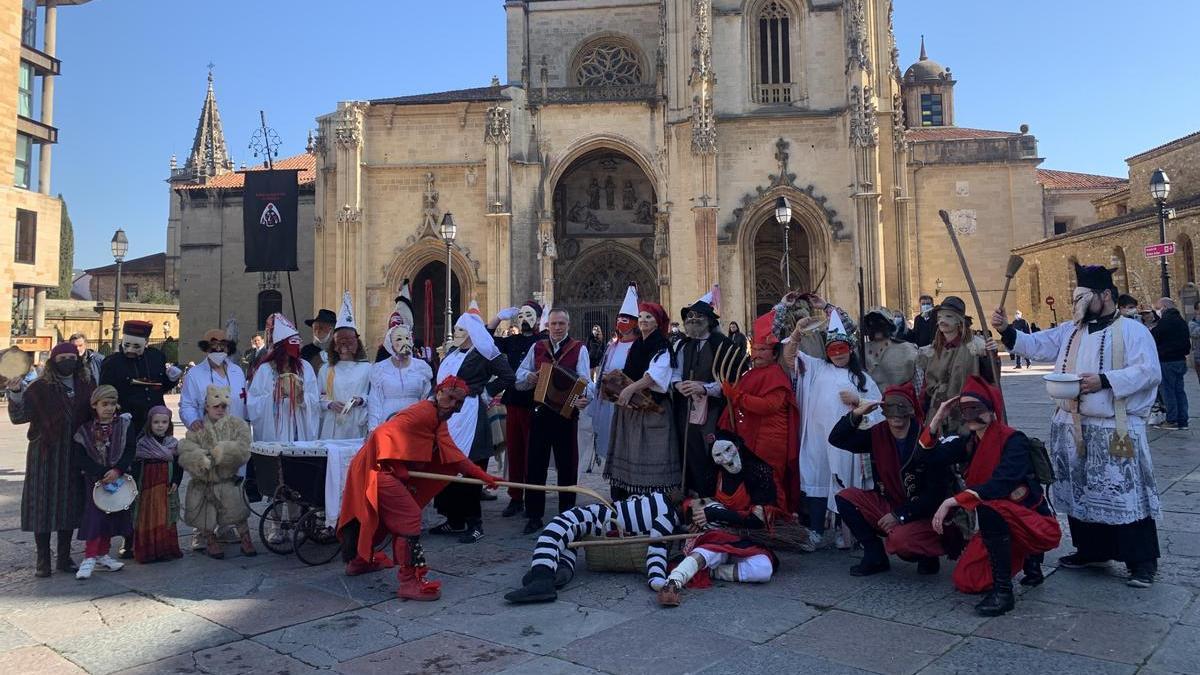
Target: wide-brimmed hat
point(324, 316)
point(952, 303)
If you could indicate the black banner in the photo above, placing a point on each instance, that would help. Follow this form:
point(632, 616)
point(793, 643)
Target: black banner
point(269, 206)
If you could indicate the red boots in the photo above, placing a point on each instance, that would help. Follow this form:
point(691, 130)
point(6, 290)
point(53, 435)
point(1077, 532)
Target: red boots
point(411, 560)
point(359, 566)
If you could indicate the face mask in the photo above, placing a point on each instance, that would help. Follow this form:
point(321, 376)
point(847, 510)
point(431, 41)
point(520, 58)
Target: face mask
point(461, 338)
point(66, 367)
point(133, 346)
point(926, 308)
point(527, 318)
point(725, 454)
point(1129, 313)
point(1081, 301)
point(217, 358)
point(402, 342)
point(972, 412)
point(323, 342)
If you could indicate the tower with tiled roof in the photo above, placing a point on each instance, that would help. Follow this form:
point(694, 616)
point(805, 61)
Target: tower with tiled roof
point(928, 93)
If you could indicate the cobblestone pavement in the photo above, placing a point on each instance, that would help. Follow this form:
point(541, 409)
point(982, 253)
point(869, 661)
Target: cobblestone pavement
point(275, 614)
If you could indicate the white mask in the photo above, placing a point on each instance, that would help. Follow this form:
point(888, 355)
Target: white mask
point(725, 454)
point(217, 358)
point(526, 316)
point(133, 346)
point(462, 339)
point(402, 341)
point(1081, 299)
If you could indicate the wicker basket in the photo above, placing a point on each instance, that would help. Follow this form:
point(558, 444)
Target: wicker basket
point(624, 558)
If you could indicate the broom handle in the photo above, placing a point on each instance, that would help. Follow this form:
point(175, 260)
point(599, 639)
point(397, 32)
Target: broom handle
point(621, 541)
point(524, 486)
point(1004, 295)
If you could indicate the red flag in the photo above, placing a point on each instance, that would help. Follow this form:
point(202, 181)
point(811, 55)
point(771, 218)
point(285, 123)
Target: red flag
point(428, 324)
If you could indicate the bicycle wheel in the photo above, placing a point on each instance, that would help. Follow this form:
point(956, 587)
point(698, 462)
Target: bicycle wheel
point(276, 527)
point(316, 544)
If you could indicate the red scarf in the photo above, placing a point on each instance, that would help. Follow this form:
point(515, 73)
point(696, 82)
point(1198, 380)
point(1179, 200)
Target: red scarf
point(884, 451)
point(990, 446)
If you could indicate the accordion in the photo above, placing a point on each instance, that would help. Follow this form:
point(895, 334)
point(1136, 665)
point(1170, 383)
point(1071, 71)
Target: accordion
point(558, 388)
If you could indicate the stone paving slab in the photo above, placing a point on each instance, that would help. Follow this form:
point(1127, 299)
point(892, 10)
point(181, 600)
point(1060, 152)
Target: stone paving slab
point(31, 594)
point(1096, 590)
point(328, 641)
point(108, 650)
point(62, 622)
point(438, 654)
point(1105, 635)
point(235, 658)
point(36, 659)
point(742, 611)
point(892, 648)
point(270, 608)
point(1180, 652)
point(548, 665)
point(767, 660)
point(647, 645)
point(979, 655)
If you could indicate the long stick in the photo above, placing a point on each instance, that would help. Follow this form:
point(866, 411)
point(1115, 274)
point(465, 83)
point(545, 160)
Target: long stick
point(524, 486)
point(962, 261)
point(621, 541)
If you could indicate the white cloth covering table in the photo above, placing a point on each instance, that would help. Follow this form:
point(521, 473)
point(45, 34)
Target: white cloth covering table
point(338, 453)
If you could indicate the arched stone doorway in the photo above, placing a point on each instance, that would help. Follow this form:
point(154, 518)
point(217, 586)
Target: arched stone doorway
point(594, 287)
point(605, 205)
point(770, 274)
point(433, 275)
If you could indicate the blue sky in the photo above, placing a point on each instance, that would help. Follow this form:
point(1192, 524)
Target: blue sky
point(134, 77)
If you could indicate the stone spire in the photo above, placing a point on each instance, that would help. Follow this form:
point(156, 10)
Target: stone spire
point(210, 156)
point(923, 56)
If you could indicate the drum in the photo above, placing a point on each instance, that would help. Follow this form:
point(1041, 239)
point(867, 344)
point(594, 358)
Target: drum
point(120, 500)
point(558, 388)
point(14, 364)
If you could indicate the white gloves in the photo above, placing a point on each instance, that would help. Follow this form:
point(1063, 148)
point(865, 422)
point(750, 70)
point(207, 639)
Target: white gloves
point(173, 372)
point(508, 314)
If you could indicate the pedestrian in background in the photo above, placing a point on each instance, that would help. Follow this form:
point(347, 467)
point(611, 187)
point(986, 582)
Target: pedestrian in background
point(1194, 334)
point(1021, 325)
point(1172, 338)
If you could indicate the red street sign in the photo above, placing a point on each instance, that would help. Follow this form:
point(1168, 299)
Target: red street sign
point(1159, 250)
point(1050, 300)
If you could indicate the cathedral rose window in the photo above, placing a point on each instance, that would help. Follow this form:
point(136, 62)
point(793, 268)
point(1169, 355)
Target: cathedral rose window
point(607, 63)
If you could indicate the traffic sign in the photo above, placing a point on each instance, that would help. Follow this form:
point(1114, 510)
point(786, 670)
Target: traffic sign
point(1159, 250)
point(1050, 300)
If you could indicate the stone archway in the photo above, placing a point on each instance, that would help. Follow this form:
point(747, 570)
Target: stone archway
point(594, 286)
point(770, 275)
point(760, 242)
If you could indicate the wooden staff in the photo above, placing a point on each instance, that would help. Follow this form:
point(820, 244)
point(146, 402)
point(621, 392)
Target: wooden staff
point(524, 486)
point(621, 541)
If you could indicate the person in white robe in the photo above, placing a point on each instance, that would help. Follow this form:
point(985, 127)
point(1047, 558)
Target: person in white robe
point(602, 409)
point(345, 380)
point(827, 389)
point(399, 380)
point(1104, 476)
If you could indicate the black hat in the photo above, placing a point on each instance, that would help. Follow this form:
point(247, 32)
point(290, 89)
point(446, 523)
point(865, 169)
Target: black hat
point(1095, 277)
point(324, 316)
point(700, 307)
point(954, 304)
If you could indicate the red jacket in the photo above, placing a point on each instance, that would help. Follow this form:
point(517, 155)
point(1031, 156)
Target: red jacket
point(764, 413)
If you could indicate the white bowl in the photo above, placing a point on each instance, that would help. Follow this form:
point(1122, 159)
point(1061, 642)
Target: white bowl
point(1063, 386)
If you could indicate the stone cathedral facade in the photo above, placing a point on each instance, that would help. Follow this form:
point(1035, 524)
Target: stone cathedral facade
point(634, 140)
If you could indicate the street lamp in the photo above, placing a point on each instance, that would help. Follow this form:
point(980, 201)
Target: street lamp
point(448, 229)
point(1160, 187)
point(120, 246)
point(783, 215)
point(166, 330)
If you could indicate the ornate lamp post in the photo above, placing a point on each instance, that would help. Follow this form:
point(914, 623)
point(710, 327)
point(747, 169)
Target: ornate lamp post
point(120, 246)
point(1160, 187)
point(448, 229)
point(783, 216)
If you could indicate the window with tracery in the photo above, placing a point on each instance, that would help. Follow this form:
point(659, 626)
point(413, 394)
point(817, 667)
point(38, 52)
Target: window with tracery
point(771, 38)
point(608, 63)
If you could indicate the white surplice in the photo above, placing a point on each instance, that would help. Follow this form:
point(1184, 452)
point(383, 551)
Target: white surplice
point(394, 388)
point(289, 420)
point(462, 423)
point(342, 382)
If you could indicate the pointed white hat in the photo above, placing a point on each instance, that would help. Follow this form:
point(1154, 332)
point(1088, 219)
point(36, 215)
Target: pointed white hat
point(282, 329)
point(346, 313)
point(630, 306)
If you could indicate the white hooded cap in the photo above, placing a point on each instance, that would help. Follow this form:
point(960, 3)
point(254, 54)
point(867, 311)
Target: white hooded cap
point(630, 305)
point(282, 329)
point(346, 313)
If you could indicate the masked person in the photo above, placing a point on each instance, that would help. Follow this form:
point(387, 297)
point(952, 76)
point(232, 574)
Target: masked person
point(398, 382)
point(518, 404)
point(1016, 526)
point(345, 380)
point(474, 358)
point(316, 353)
point(699, 402)
point(828, 389)
point(954, 355)
point(613, 359)
point(907, 489)
point(215, 369)
point(403, 313)
point(643, 450)
point(763, 412)
point(889, 360)
point(551, 434)
point(1104, 478)
point(142, 376)
point(924, 324)
point(381, 498)
point(212, 456)
point(52, 493)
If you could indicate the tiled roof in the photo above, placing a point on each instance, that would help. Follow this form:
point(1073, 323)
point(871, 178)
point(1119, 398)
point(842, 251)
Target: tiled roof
point(1070, 180)
point(155, 262)
point(955, 134)
point(307, 163)
point(453, 96)
point(1182, 140)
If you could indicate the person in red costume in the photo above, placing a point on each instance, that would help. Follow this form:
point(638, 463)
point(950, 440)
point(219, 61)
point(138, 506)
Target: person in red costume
point(763, 411)
point(1016, 526)
point(381, 498)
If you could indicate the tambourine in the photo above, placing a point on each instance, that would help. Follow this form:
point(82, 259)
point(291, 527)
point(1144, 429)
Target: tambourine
point(120, 500)
point(15, 363)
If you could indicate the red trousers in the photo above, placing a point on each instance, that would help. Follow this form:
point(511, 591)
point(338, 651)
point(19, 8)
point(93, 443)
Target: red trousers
point(909, 541)
point(95, 548)
point(399, 513)
point(1030, 533)
point(516, 435)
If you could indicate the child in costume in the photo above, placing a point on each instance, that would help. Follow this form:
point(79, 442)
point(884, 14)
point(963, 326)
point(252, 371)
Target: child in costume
point(103, 451)
point(156, 460)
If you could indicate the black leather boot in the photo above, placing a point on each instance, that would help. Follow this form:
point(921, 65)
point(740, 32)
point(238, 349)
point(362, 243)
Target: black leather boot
point(65, 563)
point(539, 588)
point(875, 559)
point(1000, 599)
point(1033, 570)
point(42, 540)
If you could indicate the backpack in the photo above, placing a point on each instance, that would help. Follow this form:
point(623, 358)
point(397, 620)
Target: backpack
point(1039, 459)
